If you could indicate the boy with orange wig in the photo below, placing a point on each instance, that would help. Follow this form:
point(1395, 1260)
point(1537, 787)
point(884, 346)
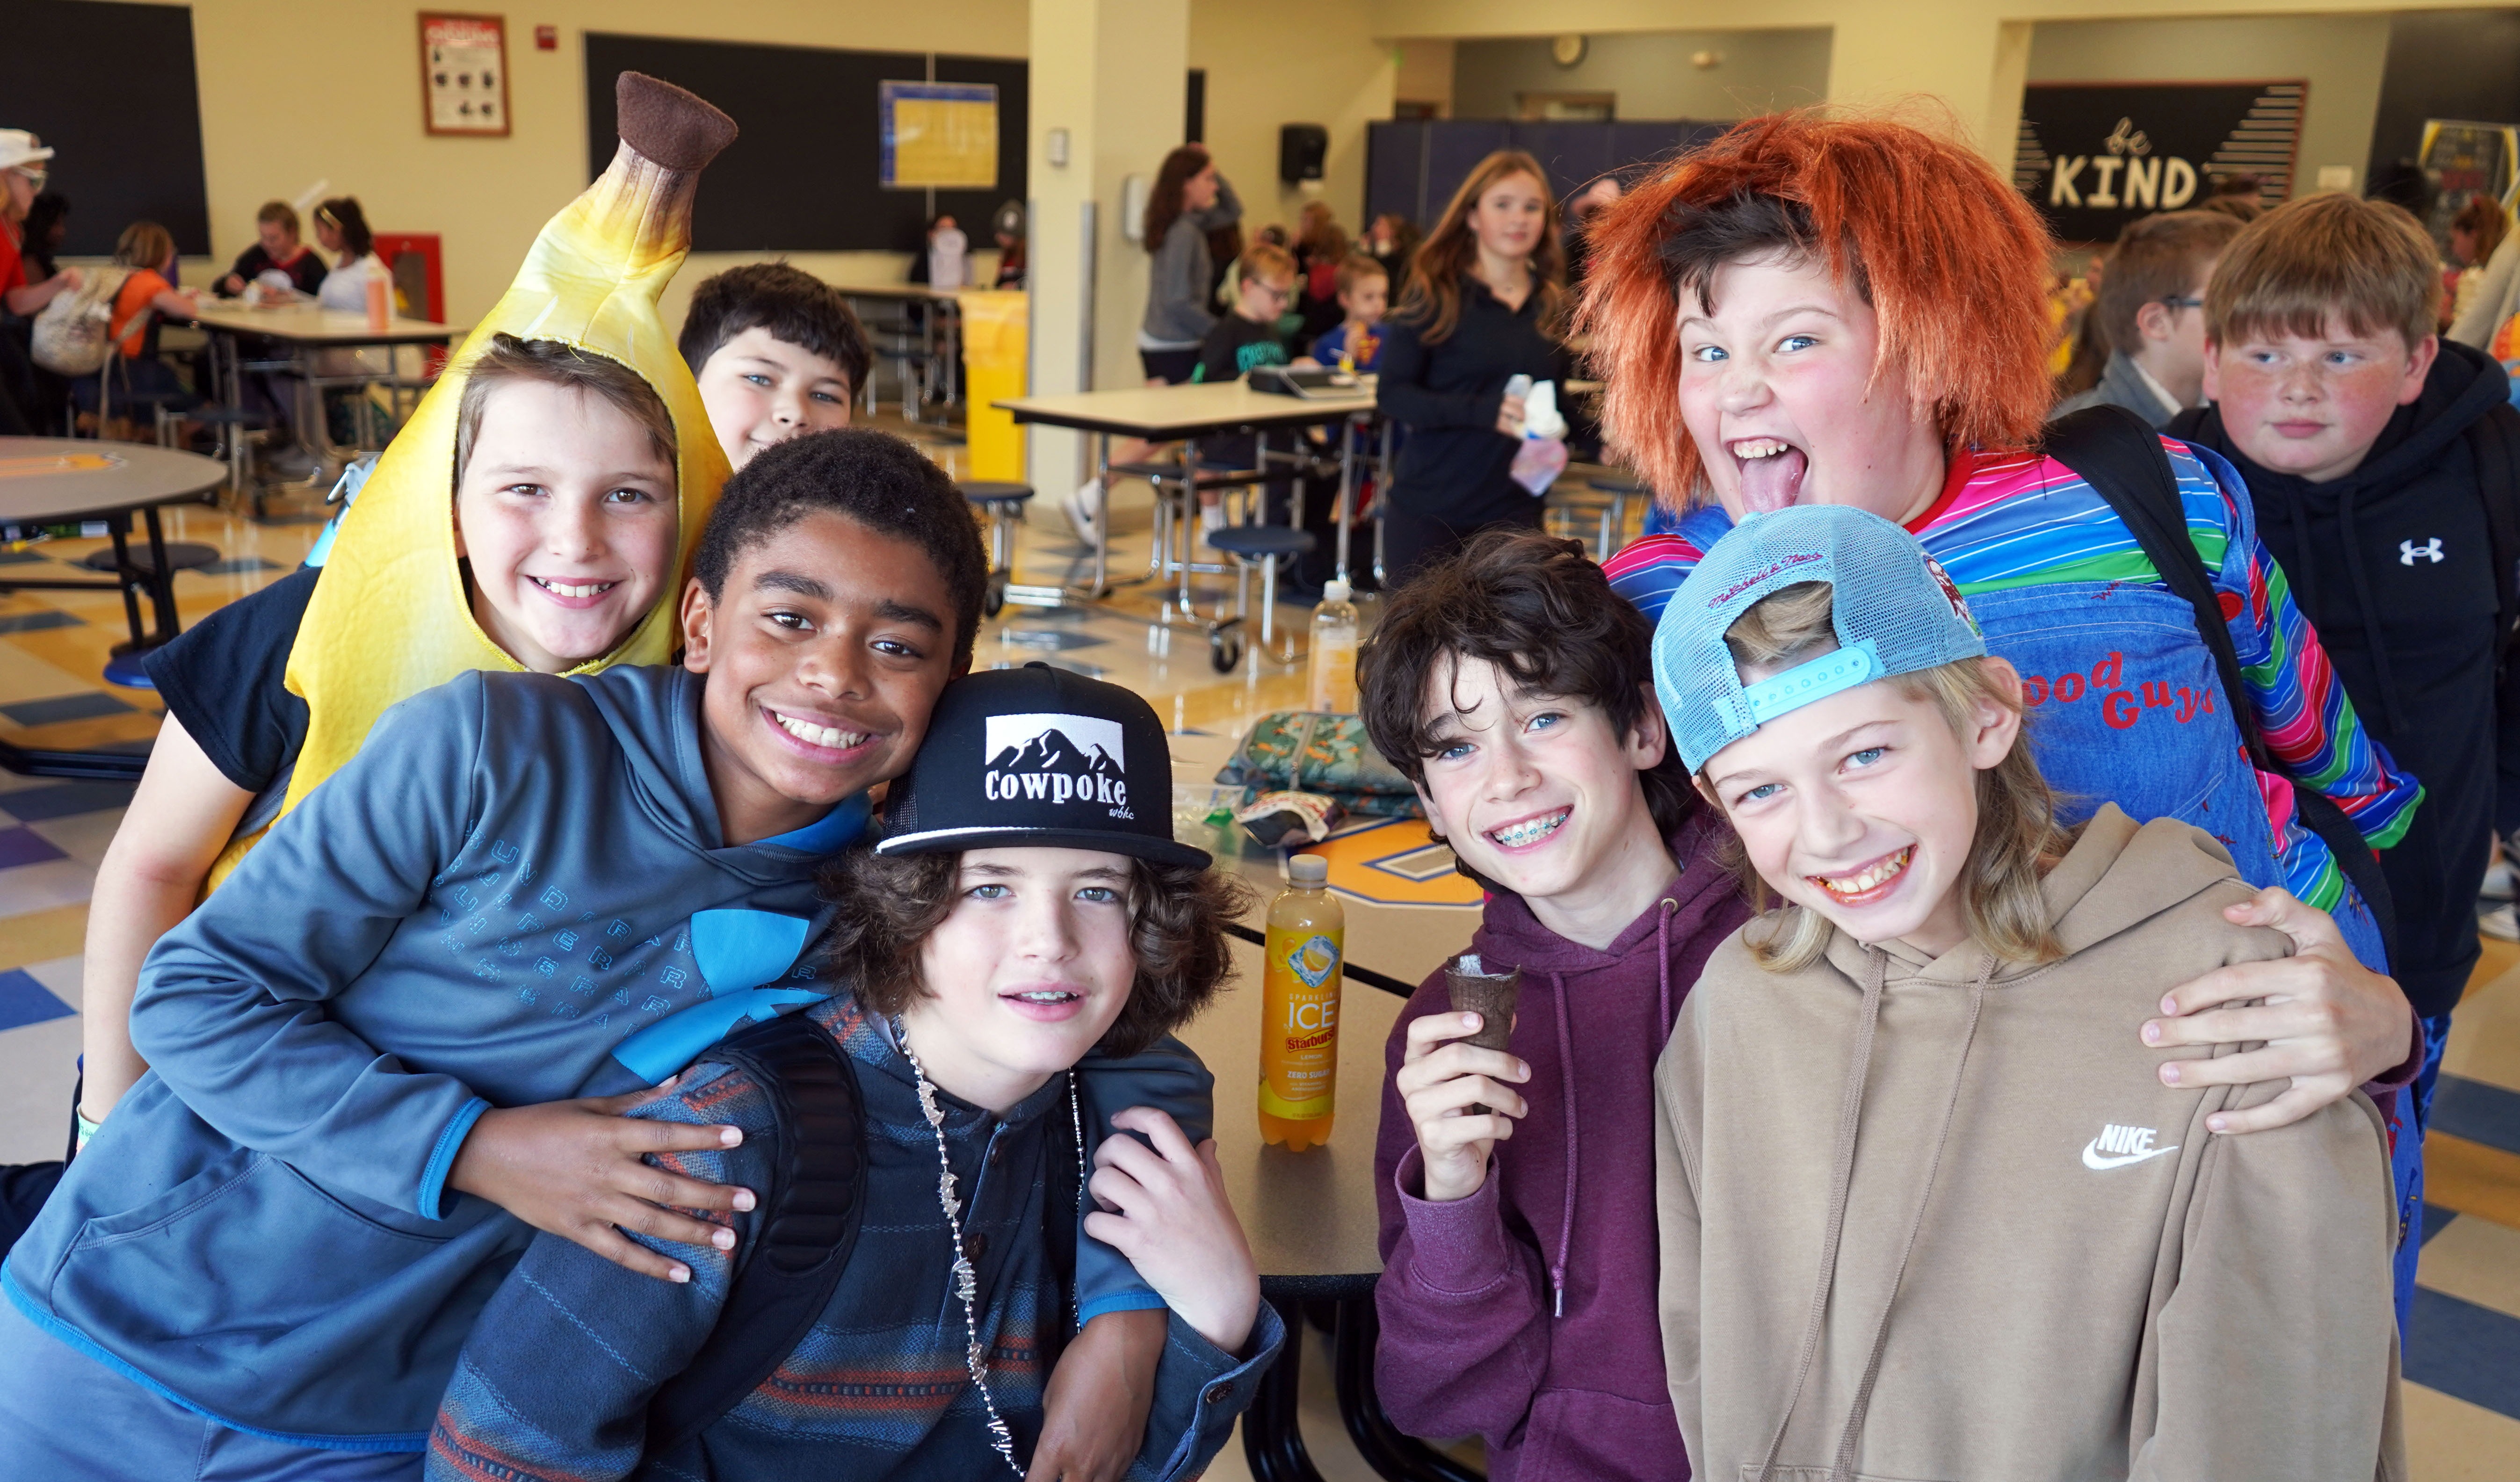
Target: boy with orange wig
point(1851, 311)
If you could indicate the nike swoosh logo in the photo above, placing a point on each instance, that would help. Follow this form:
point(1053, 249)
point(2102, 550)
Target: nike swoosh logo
point(2092, 1158)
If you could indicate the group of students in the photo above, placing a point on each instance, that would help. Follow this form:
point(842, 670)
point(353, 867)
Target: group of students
point(1956, 1039)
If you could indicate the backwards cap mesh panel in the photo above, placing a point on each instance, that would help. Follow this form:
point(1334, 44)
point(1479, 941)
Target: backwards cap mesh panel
point(1885, 590)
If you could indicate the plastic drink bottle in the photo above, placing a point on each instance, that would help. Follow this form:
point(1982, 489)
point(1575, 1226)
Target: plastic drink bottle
point(1332, 683)
point(1299, 1007)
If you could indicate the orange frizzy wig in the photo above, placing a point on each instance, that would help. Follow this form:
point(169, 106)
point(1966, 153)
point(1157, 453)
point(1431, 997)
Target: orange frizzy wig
point(1951, 258)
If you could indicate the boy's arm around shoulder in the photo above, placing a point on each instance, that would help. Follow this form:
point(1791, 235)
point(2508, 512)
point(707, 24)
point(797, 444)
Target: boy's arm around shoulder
point(555, 1381)
point(1464, 1304)
point(231, 1008)
point(1168, 1076)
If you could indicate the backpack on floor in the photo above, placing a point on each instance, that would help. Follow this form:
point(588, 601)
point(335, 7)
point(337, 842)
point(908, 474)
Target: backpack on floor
point(69, 334)
point(2122, 459)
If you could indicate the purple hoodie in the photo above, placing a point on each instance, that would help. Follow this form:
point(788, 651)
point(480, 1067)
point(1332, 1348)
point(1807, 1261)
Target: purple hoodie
point(1526, 1313)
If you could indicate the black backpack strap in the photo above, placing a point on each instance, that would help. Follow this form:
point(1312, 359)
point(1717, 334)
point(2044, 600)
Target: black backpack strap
point(2123, 460)
point(785, 1275)
point(2494, 444)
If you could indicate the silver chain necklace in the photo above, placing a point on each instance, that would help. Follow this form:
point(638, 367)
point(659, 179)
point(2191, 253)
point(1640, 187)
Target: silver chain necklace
point(966, 1281)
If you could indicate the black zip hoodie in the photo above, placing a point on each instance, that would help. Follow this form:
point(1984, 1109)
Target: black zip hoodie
point(2392, 564)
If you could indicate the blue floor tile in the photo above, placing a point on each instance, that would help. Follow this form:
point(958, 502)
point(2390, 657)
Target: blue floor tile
point(2435, 1218)
point(2465, 1108)
point(86, 706)
point(24, 846)
point(34, 805)
point(2469, 1352)
point(239, 565)
point(24, 1001)
point(27, 622)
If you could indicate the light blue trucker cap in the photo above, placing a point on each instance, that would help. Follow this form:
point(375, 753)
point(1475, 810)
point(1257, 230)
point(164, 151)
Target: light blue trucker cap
point(1894, 609)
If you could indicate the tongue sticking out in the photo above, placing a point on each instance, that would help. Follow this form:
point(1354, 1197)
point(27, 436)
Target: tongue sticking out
point(1771, 482)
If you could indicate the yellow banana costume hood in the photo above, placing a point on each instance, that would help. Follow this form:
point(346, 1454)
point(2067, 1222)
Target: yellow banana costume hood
point(390, 618)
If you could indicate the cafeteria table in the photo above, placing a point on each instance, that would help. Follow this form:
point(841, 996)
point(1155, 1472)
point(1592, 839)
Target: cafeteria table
point(1182, 414)
point(1311, 1216)
point(61, 481)
point(304, 329)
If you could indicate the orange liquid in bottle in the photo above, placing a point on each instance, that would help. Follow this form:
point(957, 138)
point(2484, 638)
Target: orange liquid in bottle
point(1299, 1006)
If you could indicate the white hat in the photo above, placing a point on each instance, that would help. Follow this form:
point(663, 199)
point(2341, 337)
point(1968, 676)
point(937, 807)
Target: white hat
point(18, 147)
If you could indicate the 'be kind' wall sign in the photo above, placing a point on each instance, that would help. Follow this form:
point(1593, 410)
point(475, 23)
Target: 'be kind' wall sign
point(2095, 156)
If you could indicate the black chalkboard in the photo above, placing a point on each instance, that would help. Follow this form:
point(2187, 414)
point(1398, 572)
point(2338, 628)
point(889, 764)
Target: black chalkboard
point(803, 177)
point(110, 87)
point(2095, 156)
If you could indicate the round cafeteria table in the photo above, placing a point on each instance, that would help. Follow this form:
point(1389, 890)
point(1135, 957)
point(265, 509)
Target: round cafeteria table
point(61, 481)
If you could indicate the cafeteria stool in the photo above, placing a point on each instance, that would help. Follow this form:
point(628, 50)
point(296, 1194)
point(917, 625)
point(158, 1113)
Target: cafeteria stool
point(1002, 505)
point(1177, 517)
point(140, 576)
point(1250, 544)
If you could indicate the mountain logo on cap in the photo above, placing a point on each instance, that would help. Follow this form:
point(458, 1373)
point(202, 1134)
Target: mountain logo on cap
point(1057, 760)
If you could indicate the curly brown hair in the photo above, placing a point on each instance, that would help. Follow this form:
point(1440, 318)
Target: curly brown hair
point(884, 906)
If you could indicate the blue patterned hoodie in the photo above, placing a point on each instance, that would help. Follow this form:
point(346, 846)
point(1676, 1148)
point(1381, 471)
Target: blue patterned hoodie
point(555, 1384)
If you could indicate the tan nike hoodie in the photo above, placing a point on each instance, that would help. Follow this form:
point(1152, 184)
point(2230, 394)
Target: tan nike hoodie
point(1940, 1221)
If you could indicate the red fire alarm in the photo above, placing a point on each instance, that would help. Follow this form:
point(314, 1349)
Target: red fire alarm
point(546, 39)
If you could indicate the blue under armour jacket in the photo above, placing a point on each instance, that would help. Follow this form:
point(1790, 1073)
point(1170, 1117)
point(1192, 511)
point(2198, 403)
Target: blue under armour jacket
point(515, 874)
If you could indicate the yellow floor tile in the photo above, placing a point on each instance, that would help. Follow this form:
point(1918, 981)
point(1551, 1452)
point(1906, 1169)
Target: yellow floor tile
point(2472, 1178)
point(2476, 1260)
point(2450, 1440)
point(42, 935)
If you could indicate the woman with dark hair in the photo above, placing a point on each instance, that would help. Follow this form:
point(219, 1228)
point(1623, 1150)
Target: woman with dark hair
point(1189, 201)
point(1486, 304)
point(47, 221)
point(341, 227)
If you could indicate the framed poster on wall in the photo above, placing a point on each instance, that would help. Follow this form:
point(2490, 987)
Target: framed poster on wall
point(2095, 156)
point(463, 74)
point(938, 135)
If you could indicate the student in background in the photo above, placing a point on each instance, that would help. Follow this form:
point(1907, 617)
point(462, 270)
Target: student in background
point(1488, 302)
point(1321, 246)
point(2366, 443)
point(146, 251)
point(1364, 295)
point(949, 262)
point(2151, 307)
point(2479, 229)
point(1264, 281)
point(277, 258)
point(1189, 202)
point(23, 173)
point(1392, 241)
point(47, 221)
point(1011, 259)
point(341, 227)
point(778, 353)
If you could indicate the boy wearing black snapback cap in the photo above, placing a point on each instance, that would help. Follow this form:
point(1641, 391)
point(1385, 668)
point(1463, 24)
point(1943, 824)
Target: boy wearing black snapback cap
point(1027, 909)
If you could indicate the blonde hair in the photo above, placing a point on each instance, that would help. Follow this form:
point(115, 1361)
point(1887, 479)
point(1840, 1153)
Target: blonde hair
point(2000, 899)
point(1262, 261)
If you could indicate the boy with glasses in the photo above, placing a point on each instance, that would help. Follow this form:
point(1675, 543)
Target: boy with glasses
point(2151, 309)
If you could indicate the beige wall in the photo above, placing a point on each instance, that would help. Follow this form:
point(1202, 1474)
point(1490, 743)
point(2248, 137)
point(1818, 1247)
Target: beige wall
point(1289, 62)
point(293, 91)
point(1652, 72)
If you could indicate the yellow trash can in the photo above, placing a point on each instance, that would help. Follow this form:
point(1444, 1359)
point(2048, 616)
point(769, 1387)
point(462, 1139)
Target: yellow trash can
point(994, 345)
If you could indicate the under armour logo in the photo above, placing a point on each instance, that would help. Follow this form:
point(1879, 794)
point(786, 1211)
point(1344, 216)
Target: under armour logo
point(2408, 551)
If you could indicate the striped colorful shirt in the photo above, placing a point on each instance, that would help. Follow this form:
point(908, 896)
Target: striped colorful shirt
point(2010, 520)
point(554, 1383)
